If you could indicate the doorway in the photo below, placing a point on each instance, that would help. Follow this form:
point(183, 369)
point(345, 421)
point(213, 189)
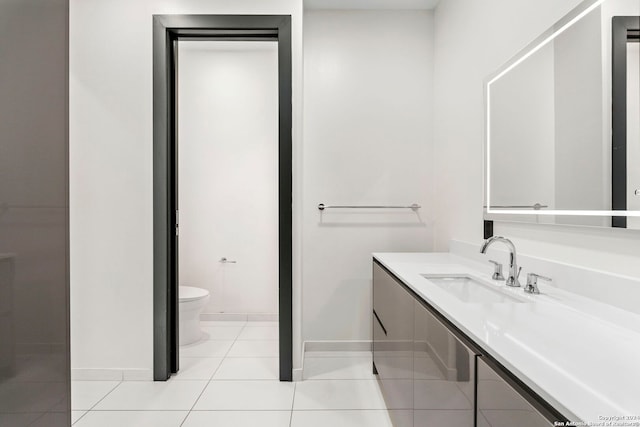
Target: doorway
point(169, 31)
point(228, 177)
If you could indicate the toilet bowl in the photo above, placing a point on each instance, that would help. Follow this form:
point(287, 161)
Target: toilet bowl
point(191, 303)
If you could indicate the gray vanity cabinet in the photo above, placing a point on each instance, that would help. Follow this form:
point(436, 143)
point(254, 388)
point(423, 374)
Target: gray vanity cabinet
point(443, 373)
point(425, 372)
point(501, 405)
point(393, 345)
point(427, 368)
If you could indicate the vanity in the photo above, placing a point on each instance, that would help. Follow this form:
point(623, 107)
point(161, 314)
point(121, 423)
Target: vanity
point(453, 347)
point(457, 345)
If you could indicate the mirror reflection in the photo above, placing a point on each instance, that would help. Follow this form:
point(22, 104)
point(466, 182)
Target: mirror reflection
point(563, 123)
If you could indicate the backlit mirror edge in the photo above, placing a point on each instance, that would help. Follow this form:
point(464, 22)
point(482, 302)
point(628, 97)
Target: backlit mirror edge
point(533, 216)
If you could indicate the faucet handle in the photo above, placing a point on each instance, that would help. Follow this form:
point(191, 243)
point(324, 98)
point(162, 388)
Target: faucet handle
point(532, 282)
point(535, 277)
point(497, 270)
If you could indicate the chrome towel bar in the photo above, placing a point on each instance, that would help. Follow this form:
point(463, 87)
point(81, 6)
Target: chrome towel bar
point(322, 207)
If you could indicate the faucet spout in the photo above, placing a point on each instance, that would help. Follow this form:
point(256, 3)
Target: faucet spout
point(514, 271)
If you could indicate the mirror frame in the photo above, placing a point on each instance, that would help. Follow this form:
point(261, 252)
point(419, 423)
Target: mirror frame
point(532, 216)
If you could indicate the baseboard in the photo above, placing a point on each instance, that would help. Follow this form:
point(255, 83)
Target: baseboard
point(263, 317)
point(298, 374)
point(337, 346)
point(239, 317)
point(111, 374)
point(224, 317)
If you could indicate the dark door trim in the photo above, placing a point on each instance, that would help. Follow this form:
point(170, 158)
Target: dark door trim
point(625, 29)
point(167, 30)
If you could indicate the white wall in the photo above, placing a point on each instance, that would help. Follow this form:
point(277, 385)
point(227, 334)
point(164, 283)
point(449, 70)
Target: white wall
point(228, 173)
point(368, 140)
point(111, 173)
point(486, 34)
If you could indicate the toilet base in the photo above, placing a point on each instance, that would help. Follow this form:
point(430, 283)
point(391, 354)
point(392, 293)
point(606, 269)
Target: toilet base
point(189, 331)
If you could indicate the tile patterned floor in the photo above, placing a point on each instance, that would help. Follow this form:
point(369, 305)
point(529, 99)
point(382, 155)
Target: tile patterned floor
point(230, 378)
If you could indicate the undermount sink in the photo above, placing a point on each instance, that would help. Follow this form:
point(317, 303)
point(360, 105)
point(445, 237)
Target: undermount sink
point(470, 290)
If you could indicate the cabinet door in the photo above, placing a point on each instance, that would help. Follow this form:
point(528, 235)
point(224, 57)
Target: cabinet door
point(443, 374)
point(393, 345)
point(500, 405)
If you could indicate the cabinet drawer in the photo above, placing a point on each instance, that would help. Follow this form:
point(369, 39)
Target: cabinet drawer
point(393, 304)
point(444, 373)
point(501, 405)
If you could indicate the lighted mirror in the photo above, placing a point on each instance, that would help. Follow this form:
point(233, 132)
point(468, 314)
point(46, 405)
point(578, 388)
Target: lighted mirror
point(562, 141)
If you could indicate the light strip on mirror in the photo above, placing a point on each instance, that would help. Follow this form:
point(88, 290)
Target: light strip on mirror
point(547, 40)
point(488, 136)
point(565, 213)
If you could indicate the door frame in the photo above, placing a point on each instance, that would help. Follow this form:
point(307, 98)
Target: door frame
point(167, 30)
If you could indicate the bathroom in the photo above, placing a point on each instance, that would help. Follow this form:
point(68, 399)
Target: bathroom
point(388, 108)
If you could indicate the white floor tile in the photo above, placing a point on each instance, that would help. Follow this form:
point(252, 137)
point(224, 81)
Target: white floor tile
point(224, 317)
point(197, 368)
point(338, 394)
point(259, 333)
point(238, 419)
point(335, 368)
point(150, 396)
point(132, 419)
point(206, 348)
point(85, 394)
point(246, 396)
point(224, 323)
point(248, 368)
point(76, 415)
point(254, 349)
point(378, 418)
point(221, 333)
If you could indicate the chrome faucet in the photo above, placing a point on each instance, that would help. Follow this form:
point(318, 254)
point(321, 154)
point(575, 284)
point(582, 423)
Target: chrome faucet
point(514, 271)
point(532, 283)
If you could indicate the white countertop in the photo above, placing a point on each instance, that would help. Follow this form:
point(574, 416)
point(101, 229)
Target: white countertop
point(585, 365)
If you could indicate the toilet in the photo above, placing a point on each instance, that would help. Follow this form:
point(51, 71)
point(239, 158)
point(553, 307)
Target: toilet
point(191, 303)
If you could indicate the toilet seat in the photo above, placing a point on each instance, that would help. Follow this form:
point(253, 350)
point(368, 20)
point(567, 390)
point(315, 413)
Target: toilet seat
point(189, 293)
